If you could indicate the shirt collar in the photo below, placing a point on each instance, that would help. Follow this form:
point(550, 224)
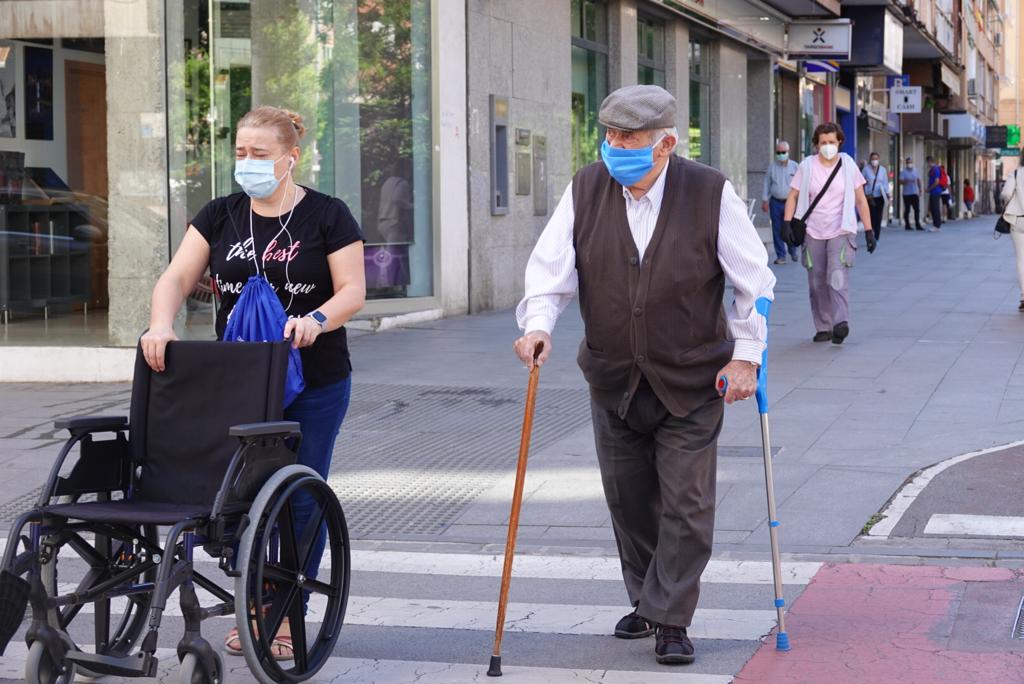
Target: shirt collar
point(656, 192)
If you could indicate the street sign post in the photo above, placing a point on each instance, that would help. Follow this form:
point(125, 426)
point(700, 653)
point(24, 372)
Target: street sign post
point(905, 99)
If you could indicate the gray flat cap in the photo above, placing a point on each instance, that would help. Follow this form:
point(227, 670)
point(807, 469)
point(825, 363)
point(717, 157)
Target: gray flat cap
point(638, 108)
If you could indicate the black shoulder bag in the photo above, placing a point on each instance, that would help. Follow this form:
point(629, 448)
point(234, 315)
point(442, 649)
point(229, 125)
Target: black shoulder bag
point(799, 225)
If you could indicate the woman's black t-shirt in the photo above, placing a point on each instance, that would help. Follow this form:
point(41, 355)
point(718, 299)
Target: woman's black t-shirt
point(294, 260)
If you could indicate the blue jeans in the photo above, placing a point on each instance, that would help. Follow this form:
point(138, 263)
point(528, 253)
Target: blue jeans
point(777, 209)
point(319, 412)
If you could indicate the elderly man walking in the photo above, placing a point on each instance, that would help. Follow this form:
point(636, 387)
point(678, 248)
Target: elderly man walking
point(649, 239)
point(773, 201)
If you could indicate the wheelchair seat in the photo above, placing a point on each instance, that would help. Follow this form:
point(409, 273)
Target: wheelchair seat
point(141, 512)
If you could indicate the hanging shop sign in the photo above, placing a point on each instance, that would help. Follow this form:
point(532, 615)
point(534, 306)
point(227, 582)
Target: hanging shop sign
point(995, 137)
point(829, 40)
point(905, 99)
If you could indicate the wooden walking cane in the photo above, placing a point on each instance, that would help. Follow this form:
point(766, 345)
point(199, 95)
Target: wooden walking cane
point(513, 520)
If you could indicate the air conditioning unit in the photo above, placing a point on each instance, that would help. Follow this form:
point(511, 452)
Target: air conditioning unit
point(998, 40)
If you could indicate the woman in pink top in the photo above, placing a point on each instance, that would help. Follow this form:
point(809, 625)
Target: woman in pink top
point(831, 242)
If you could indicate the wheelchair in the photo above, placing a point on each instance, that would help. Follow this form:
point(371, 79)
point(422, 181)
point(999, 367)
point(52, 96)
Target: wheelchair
point(204, 460)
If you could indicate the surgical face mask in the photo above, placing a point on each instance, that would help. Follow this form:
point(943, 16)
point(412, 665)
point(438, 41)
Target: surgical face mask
point(874, 162)
point(782, 156)
point(829, 151)
point(628, 166)
point(256, 176)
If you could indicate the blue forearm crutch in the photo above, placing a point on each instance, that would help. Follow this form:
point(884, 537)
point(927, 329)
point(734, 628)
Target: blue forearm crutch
point(763, 306)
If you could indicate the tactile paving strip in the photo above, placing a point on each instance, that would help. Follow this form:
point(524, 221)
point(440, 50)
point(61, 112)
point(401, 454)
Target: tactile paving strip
point(410, 458)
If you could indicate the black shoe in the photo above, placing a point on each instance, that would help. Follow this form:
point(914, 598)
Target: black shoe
point(908, 228)
point(673, 647)
point(920, 228)
point(823, 336)
point(1021, 307)
point(633, 626)
point(839, 332)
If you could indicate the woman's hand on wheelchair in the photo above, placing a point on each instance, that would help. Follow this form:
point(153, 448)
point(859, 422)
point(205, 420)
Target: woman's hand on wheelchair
point(305, 329)
point(154, 344)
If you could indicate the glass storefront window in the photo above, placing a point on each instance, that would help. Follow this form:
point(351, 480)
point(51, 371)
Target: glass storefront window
point(589, 78)
point(700, 100)
point(55, 209)
point(650, 40)
point(358, 71)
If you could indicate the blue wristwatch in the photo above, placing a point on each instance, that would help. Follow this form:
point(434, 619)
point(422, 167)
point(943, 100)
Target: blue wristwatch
point(320, 319)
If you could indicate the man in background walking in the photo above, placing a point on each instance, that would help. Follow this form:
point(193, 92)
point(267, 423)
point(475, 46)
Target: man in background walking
point(910, 182)
point(935, 192)
point(876, 187)
point(776, 188)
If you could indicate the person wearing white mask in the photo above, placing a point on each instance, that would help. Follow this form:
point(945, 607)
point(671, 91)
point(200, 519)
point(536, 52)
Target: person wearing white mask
point(310, 249)
point(827, 194)
point(876, 188)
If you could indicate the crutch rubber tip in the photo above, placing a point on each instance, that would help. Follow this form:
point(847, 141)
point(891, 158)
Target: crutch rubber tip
point(781, 642)
point(495, 670)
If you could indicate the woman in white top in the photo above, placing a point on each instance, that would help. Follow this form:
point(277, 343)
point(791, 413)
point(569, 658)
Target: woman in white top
point(1013, 212)
point(831, 241)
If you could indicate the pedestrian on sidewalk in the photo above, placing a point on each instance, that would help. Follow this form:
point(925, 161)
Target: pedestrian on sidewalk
point(628, 233)
point(830, 246)
point(876, 183)
point(968, 198)
point(776, 187)
point(310, 248)
point(910, 183)
point(935, 192)
point(1012, 198)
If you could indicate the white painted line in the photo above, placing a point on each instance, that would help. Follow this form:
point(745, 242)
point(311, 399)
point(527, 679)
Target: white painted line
point(582, 568)
point(361, 671)
point(975, 525)
point(906, 495)
point(542, 618)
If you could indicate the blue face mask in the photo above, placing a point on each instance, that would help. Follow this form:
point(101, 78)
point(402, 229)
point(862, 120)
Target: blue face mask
point(628, 166)
point(256, 176)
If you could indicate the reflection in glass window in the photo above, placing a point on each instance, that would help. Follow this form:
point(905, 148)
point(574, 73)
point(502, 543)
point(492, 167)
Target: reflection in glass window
point(700, 97)
point(358, 71)
point(650, 39)
point(589, 77)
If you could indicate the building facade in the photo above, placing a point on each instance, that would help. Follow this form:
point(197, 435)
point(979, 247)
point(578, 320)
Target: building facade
point(117, 123)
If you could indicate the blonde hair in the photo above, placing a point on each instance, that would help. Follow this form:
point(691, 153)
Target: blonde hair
point(288, 124)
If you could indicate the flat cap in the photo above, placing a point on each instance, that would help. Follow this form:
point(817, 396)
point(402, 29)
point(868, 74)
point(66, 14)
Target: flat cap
point(638, 108)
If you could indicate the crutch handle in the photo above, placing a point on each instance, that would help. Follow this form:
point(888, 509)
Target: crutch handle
point(722, 385)
point(763, 306)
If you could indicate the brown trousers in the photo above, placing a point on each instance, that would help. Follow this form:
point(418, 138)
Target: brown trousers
point(658, 472)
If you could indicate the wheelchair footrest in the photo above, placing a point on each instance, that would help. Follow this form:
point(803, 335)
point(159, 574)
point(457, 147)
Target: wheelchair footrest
point(139, 665)
point(13, 603)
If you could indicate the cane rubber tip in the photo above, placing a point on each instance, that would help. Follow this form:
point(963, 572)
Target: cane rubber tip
point(781, 641)
point(495, 670)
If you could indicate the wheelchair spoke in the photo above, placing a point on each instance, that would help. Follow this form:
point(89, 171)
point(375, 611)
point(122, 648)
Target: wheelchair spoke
point(276, 572)
point(281, 606)
point(316, 587)
point(289, 548)
point(310, 535)
point(297, 624)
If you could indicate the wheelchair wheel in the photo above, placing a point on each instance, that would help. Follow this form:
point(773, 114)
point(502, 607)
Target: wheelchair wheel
point(115, 623)
point(192, 672)
point(40, 667)
point(274, 556)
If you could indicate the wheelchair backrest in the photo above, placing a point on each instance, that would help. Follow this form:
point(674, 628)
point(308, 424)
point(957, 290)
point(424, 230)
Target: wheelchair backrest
point(180, 417)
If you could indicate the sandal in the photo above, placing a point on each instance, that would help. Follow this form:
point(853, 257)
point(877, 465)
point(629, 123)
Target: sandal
point(281, 646)
point(233, 643)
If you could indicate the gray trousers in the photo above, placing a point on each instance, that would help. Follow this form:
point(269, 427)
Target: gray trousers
point(828, 263)
point(658, 472)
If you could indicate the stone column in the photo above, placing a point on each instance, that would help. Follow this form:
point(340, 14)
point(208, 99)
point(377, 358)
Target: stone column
point(677, 78)
point(137, 162)
point(760, 125)
point(622, 46)
point(728, 114)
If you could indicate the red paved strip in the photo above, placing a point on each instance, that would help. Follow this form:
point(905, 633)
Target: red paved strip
point(906, 624)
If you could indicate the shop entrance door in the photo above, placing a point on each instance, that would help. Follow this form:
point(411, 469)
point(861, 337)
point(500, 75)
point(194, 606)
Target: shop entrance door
point(85, 93)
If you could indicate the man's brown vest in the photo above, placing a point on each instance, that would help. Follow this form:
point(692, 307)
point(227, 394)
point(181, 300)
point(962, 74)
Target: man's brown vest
point(660, 317)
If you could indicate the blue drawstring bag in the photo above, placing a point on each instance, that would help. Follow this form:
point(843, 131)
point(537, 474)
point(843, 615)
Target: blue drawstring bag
point(259, 317)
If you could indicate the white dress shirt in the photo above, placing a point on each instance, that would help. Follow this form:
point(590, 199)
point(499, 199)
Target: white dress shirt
point(551, 278)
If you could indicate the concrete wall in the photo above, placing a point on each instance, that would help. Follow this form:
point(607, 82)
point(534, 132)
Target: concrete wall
point(521, 51)
point(760, 124)
point(677, 78)
point(137, 163)
point(729, 113)
point(622, 45)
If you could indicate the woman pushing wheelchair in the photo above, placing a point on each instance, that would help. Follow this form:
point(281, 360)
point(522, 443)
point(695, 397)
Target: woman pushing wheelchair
point(309, 248)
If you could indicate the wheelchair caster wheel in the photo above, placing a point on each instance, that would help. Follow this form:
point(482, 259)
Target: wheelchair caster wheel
point(192, 672)
point(41, 669)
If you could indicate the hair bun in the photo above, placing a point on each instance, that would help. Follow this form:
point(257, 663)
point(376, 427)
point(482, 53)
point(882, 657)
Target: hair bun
point(300, 128)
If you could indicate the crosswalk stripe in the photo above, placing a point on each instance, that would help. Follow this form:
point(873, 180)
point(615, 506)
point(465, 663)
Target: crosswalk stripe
point(543, 618)
point(975, 525)
point(718, 570)
point(361, 670)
